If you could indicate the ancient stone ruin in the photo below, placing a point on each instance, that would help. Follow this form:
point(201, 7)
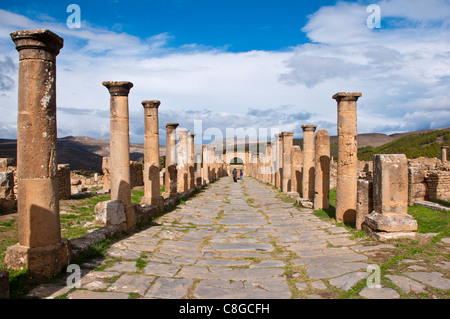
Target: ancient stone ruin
point(374, 195)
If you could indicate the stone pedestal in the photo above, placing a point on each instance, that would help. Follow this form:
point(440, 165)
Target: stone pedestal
point(171, 166)
point(390, 197)
point(151, 156)
point(308, 161)
point(120, 147)
point(40, 246)
point(322, 170)
point(347, 164)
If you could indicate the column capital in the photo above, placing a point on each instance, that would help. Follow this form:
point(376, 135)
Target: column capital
point(118, 88)
point(183, 131)
point(172, 125)
point(152, 104)
point(45, 43)
point(307, 128)
point(345, 96)
point(192, 135)
point(444, 147)
point(288, 134)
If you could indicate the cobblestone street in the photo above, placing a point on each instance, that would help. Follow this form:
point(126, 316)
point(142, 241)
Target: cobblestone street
point(237, 240)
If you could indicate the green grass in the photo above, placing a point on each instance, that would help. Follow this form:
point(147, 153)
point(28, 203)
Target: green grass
point(430, 221)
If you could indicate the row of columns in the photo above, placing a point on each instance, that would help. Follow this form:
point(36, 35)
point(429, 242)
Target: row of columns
point(40, 248)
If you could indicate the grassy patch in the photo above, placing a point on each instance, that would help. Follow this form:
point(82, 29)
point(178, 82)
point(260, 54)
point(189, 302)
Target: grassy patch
point(430, 221)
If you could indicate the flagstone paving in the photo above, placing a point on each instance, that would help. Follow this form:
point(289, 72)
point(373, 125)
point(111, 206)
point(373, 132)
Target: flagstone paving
point(237, 240)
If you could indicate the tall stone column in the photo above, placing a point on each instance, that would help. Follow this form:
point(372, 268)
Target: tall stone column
point(287, 161)
point(191, 168)
point(297, 162)
point(40, 248)
point(279, 173)
point(347, 164)
point(322, 170)
point(199, 179)
point(151, 155)
point(205, 168)
point(120, 147)
point(213, 164)
point(183, 159)
point(170, 183)
point(308, 161)
point(444, 150)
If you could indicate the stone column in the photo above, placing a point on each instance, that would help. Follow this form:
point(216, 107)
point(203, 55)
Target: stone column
point(213, 164)
point(199, 179)
point(183, 159)
point(287, 161)
point(205, 168)
point(444, 153)
point(268, 163)
point(347, 164)
point(120, 147)
point(41, 248)
point(390, 198)
point(279, 170)
point(191, 168)
point(308, 161)
point(170, 183)
point(297, 162)
point(151, 155)
point(322, 170)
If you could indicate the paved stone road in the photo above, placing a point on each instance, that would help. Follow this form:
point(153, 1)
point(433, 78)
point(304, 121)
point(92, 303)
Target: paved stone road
point(233, 240)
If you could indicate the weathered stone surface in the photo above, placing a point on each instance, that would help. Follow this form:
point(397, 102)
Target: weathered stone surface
point(110, 212)
point(347, 164)
point(433, 279)
point(48, 291)
point(379, 293)
point(406, 284)
point(365, 201)
point(132, 283)
point(7, 199)
point(169, 288)
point(346, 282)
point(391, 223)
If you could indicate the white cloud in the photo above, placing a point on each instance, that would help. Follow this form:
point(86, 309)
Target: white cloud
point(402, 72)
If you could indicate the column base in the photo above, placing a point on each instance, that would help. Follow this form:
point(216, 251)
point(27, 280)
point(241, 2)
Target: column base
point(384, 236)
point(42, 262)
point(391, 223)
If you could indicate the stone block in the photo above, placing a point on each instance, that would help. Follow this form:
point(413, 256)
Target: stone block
point(390, 184)
point(110, 212)
point(4, 284)
point(391, 223)
point(42, 262)
point(7, 198)
point(364, 205)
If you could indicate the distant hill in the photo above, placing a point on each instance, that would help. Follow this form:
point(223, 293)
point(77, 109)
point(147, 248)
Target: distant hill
point(82, 152)
point(423, 144)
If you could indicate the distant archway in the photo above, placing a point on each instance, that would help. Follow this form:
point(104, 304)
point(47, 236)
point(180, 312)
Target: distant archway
point(236, 161)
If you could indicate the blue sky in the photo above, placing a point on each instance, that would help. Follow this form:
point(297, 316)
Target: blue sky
point(246, 64)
